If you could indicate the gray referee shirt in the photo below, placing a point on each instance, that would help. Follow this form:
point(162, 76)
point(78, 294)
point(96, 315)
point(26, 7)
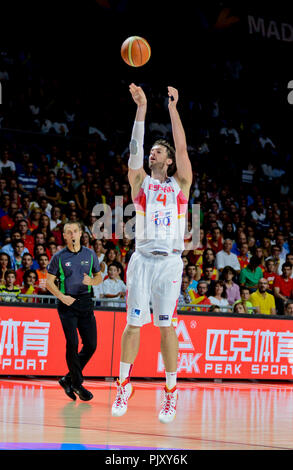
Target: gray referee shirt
point(69, 267)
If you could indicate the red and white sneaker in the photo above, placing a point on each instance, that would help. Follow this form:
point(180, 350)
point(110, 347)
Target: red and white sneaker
point(124, 392)
point(168, 411)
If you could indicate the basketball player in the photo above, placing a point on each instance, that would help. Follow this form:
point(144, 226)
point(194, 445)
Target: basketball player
point(155, 269)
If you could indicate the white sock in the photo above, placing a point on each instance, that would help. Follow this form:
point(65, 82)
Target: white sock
point(171, 379)
point(125, 370)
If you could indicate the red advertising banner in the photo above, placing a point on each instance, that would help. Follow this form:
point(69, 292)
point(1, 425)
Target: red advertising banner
point(32, 343)
point(217, 347)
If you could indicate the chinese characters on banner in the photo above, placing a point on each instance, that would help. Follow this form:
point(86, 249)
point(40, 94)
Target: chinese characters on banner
point(32, 342)
point(18, 338)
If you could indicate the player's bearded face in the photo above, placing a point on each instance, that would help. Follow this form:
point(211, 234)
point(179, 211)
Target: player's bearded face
point(158, 159)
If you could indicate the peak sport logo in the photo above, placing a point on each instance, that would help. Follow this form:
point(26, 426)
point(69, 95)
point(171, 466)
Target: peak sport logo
point(187, 358)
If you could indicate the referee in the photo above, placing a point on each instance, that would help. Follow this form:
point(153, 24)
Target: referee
point(77, 268)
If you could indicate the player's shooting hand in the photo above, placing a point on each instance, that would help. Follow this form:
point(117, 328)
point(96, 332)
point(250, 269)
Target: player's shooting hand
point(173, 96)
point(137, 94)
point(87, 281)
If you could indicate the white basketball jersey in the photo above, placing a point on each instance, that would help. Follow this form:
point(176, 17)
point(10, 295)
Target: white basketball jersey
point(160, 216)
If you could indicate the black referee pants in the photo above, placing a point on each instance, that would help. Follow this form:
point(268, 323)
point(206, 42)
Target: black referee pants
point(78, 318)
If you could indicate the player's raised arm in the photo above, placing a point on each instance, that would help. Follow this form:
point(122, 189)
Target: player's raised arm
point(136, 173)
point(184, 169)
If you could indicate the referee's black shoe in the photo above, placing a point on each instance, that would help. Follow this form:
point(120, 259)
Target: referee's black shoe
point(83, 393)
point(67, 388)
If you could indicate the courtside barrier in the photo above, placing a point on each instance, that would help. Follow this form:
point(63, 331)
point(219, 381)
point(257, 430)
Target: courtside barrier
point(211, 345)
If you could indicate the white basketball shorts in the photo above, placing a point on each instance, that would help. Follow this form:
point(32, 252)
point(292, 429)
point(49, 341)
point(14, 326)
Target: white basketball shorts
point(154, 279)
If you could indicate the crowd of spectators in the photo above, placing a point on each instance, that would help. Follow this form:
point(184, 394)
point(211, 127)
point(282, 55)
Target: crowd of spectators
point(243, 261)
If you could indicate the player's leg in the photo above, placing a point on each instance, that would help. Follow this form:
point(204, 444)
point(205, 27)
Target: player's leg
point(164, 299)
point(129, 349)
point(137, 315)
point(169, 351)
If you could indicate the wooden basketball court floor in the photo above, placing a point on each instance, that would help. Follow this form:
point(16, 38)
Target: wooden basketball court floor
point(36, 414)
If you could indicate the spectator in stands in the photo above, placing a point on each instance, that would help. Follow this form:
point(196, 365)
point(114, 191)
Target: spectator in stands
point(289, 259)
point(244, 298)
point(243, 257)
point(111, 255)
point(185, 264)
point(24, 203)
point(5, 204)
point(258, 215)
point(7, 166)
point(5, 264)
point(278, 261)
point(42, 273)
point(216, 240)
point(67, 191)
point(18, 252)
point(280, 242)
point(27, 262)
point(184, 297)
point(241, 238)
point(40, 239)
point(30, 279)
point(8, 247)
point(283, 287)
point(123, 247)
point(267, 247)
point(7, 221)
point(28, 181)
point(52, 248)
point(195, 255)
point(82, 200)
point(86, 240)
point(258, 252)
point(288, 308)
point(34, 219)
point(270, 274)
point(232, 288)
point(251, 275)
point(3, 186)
point(207, 276)
point(9, 288)
point(113, 287)
point(229, 133)
point(219, 295)
point(263, 301)
point(39, 249)
point(55, 217)
point(99, 250)
point(200, 297)
point(28, 239)
point(45, 207)
point(240, 307)
point(226, 258)
point(209, 259)
point(251, 241)
point(194, 274)
point(53, 192)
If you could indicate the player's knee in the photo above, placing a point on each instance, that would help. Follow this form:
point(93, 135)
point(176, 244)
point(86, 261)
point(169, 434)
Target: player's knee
point(166, 331)
point(131, 330)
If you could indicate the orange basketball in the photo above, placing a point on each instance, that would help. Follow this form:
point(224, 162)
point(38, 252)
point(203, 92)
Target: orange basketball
point(135, 51)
